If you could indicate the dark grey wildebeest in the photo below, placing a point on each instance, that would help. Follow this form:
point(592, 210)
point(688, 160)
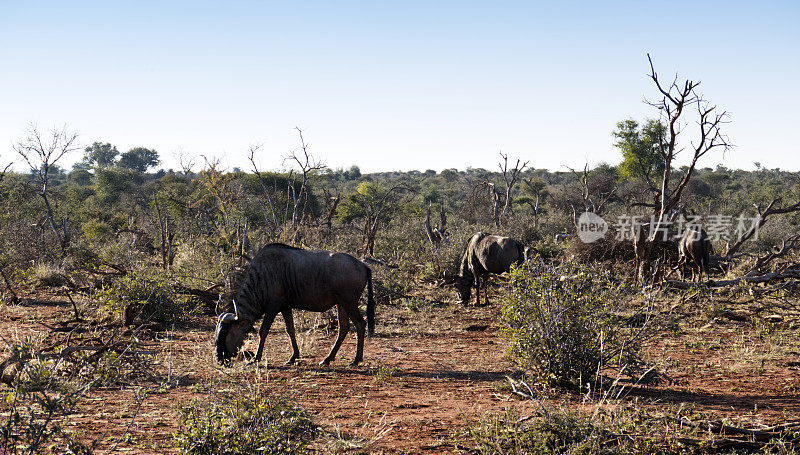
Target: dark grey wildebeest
point(485, 254)
point(281, 278)
point(694, 249)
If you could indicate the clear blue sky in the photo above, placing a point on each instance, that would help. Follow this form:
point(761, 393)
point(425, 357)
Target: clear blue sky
point(393, 85)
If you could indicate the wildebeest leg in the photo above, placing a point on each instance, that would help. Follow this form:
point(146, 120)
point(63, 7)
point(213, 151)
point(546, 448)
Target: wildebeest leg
point(289, 322)
point(344, 327)
point(485, 289)
point(477, 290)
point(361, 325)
point(262, 332)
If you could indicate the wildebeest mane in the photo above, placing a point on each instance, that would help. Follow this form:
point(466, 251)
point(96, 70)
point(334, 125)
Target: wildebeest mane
point(281, 245)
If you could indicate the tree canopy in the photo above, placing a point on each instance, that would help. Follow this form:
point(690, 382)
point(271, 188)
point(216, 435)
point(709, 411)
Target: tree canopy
point(138, 159)
point(639, 145)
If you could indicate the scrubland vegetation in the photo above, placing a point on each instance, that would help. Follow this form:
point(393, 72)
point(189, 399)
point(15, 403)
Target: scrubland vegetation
point(113, 275)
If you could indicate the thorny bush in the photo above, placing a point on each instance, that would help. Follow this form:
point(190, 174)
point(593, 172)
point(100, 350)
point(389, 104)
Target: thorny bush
point(563, 324)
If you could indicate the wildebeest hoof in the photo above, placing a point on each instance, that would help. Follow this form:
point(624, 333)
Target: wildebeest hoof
point(354, 363)
point(291, 361)
point(326, 362)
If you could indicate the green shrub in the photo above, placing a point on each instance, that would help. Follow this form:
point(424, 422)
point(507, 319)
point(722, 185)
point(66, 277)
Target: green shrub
point(97, 231)
point(252, 423)
point(144, 297)
point(555, 433)
point(561, 325)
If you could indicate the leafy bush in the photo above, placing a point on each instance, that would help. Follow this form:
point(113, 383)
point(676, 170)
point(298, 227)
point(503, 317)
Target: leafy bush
point(252, 423)
point(561, 323)
point(146, 297)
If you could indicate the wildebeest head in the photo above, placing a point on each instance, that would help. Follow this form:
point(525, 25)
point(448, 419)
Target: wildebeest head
point(230, 335)
point(464, 288)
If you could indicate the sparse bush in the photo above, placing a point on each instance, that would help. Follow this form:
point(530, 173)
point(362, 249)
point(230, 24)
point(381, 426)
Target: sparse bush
point(558, 432)
point(252, 423)
point(37, 402)
point(606, 249)
point(49, 276)
point(561, 325)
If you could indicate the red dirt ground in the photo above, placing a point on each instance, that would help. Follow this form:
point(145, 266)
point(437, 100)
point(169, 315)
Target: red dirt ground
point(427, 375)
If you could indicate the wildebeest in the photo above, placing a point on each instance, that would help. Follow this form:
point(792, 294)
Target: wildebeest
point(485, 254)
point(281, 278)
point(694, 249)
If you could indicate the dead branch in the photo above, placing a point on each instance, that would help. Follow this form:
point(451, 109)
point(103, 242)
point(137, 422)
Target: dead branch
point(765, 278)
point(275, 225)
point(510, 177)
point(14, 298)
point(78, 317)
point(595, 204)
point(5, 170)
point(308, 166)
point(785, 248)
point(436, 235)
point(762, 218)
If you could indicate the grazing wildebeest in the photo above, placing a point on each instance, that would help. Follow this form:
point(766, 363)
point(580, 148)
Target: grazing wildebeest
point(281, 278)
point(694, 249)
point(485, 254)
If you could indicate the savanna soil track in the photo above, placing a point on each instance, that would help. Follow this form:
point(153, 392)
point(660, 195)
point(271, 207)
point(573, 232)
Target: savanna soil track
point(428, 373)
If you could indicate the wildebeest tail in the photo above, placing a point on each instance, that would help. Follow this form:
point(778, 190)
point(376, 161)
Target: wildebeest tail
point(370, 304)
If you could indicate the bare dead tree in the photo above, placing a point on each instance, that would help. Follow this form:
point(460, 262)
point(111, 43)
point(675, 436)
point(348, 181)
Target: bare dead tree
point(307, 165)
point(676, 98)
point(477, 198)
point(167, 235)
point(595, 203)
point(331, 201)
point(186, 163)
point(510, 177)
point(377, 208)
point(41, 153)
point(437, 235)
point(274, 224)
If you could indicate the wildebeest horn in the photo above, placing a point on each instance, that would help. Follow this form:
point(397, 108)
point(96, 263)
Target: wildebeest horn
point(227, 317)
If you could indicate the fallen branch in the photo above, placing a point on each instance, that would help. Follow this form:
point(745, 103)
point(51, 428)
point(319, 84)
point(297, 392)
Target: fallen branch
point(763, 261)
point(14, 298)
point(765, 278)
point(762, 218)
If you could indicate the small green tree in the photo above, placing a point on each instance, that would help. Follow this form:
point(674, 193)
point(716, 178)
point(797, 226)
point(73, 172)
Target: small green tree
point(534, 193)
point(640, 145)
point(375, 204)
